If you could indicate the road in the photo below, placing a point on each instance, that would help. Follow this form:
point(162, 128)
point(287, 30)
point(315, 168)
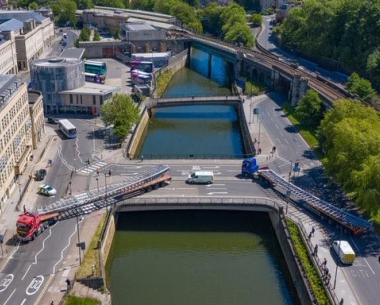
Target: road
point(28, 269)
point(268, 41)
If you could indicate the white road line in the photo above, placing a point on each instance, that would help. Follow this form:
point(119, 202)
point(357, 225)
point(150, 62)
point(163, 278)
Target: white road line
point(215, 184)
point(38, 253)
point(64, 249)
point(217, 193)
point(12, 293)
point(357, 249)
point(23, 302)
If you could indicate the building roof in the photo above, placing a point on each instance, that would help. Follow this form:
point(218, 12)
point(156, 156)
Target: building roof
point(72, 53)
point(158, 25)
point(56, 62)
point(11, 25)
point(91, 89)
point(22, 15)
point(139, 27)
point(34, 96)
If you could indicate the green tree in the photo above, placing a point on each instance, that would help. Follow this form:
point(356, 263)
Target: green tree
point(116, 34)
point(309, 109)
point(64, 10)
point(211, 18)
point(85, 34)
point(257, 20)
point(33, 6)
point(96, 36)
point(84, 4)
point(110, 3)
point(122, 113)
point(361, 87)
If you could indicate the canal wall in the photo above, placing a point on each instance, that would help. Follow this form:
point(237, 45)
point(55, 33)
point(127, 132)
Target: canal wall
point(298, 278)
point(249, 146)
point(137, 134)
point(106, 242)
point(176, 63)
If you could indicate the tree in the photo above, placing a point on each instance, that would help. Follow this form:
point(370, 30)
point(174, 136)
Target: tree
point(33, 6)
point(96, 36)
point(309, 109)
point(257, 20)
point(65, 10)
point(122, 113)
point(84, 4)
point(361, 87)
point(211, 19)
point(85, 34)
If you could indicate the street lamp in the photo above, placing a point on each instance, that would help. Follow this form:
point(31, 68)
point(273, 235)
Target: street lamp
point(290, 170)
point(78, 244)
point(70, 188)
point(336, 266)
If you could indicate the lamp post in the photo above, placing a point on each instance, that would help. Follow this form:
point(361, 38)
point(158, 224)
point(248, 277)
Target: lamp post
point(70, 192)
point(336, 266)
point(78, 245)
point(290, 170)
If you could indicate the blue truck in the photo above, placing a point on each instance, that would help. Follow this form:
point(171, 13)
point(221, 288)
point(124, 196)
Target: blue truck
point(249, 167)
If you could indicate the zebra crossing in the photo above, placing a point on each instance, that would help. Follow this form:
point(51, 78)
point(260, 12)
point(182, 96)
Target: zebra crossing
point(92, 168)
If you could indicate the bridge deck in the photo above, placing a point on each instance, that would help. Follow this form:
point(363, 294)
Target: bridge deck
point(177, 101)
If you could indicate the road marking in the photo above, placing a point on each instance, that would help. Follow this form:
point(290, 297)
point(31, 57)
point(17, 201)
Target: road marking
point(26, 272)
point(12, 293)
point(34, 285)
point(215, 184)
point(23, 302)
point(14, 252)
point(358, 250)
point(64, 249)
point(211, 167)
point(217, 193)
point(6, 281)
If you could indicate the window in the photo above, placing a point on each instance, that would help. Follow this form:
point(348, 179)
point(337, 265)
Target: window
point(94, 100)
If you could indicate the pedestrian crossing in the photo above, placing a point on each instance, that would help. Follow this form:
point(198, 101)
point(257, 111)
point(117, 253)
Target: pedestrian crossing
point(92, 167)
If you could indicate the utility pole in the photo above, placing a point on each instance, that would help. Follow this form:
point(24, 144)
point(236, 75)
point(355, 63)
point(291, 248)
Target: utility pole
point(80, 258)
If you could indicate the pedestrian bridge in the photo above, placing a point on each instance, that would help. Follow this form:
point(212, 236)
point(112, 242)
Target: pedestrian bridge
point(193, 100)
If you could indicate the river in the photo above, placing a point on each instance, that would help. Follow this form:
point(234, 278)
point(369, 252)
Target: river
point(197, 257)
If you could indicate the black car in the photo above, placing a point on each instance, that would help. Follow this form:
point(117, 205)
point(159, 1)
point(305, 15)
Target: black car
point(52, 120)
point(40, 174)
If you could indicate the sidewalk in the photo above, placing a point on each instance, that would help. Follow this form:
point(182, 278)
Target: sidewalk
point(24, 187)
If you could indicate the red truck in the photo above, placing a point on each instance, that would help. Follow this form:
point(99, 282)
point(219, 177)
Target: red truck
point(30, 225)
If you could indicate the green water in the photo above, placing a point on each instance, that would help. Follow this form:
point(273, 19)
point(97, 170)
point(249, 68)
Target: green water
point(197, 257)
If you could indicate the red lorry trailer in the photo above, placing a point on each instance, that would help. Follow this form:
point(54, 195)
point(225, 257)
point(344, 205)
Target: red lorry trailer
point(30, 225)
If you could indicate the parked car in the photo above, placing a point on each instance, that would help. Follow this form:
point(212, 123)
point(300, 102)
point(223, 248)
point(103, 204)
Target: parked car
point(47, 190)
point(40, 174)
point(52, 120)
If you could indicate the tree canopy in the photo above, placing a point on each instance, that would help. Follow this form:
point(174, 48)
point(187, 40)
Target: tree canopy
point(64, 10)
point(122, 113)
point(309, 109)
point(360, 87)
point(343, 30)
point(350, 138)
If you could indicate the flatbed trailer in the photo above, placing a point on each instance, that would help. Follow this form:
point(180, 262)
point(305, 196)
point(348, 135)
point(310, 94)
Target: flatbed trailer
point(353, 223)
point(29, 225)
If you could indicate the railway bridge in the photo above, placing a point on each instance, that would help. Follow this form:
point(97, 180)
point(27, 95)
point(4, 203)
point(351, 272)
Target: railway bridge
point(258, 65)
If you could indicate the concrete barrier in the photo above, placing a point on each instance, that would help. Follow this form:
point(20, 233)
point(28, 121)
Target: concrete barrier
point(137, 135)
point(249, 146)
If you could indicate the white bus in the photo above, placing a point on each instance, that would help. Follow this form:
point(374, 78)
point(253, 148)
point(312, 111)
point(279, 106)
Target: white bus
point(67, 128)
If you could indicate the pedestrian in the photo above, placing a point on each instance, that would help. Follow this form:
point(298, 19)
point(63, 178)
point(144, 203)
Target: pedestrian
point(309, 236)
point(68, 283)
point(315, 250)
point(52, 303)
point(142, 158)
point(312, 231)
point(325, 261)
point(341, 301)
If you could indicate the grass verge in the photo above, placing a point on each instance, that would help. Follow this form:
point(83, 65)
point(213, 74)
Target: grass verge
point(312, 275)
point(162, 82)
point(309, 134)
point(91, 258)
point(73, 300)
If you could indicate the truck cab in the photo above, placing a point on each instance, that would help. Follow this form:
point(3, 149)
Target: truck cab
point(249, 167)
point(28, 226)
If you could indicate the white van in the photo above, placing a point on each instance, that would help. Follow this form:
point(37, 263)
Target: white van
point(201, 177)
point(344, 251)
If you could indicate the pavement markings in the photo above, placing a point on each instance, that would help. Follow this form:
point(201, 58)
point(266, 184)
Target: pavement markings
point(92, 168)
point(6, 281)
point(358, 251)
point(23, 301)
point(215, 184)
point(35, 285)
point(217, 193)
point(12, 293)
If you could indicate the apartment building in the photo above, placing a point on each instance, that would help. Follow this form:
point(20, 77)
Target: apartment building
point(8, 59)
point(36, 111)
point(15, 132)
point(33, 33)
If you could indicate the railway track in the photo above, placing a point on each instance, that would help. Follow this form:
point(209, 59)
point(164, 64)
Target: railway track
point(327, 89)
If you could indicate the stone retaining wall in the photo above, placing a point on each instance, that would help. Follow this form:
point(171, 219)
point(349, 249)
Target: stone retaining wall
point(138, 134)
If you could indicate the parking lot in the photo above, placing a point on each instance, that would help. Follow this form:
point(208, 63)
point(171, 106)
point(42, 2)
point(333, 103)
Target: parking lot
point(118, 75)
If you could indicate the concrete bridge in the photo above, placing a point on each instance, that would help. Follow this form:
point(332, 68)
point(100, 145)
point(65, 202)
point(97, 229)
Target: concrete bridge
point(194, 100)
